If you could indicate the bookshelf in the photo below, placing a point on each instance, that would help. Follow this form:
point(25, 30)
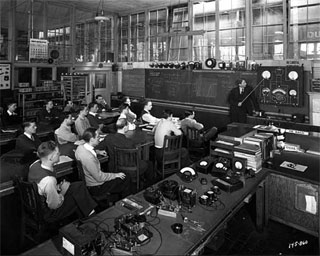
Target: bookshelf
point(75, 87)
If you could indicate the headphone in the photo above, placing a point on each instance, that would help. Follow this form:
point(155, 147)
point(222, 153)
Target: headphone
point(187, 174)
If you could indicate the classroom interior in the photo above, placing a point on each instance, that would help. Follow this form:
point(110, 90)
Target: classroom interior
point(181, 55)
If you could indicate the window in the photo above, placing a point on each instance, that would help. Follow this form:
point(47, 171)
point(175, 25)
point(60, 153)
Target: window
point(178, 44)
point(4, 30)
point(124, 38)
point(58, 31)
point(304, 33)
point(204, 18)
point(267, 29)
point(137, 35)
point(94, 40)
point(158, 44)
point(232, 30)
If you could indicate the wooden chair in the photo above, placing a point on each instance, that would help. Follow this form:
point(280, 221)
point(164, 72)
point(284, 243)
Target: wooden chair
point(34, 227)
point(195, 144)
point(171, 158)
point(103, 201)
point(127, 161)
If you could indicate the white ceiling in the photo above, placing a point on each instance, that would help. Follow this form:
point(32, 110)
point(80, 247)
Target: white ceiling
point(122, 6)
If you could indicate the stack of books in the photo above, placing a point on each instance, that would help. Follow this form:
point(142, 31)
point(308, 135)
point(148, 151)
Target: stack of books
point(222, 147)
point(236, 134)
point(250, 152)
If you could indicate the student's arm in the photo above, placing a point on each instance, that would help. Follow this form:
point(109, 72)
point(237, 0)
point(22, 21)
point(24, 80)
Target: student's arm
point(48, 187)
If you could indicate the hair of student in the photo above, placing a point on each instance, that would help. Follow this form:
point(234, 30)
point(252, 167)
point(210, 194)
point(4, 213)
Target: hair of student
point(145, 103)
point(239, 81)
point(125, 98)
point(27, 123)
point(121, 123)
point(123, 106)
point(188, 113)
point(66, 114)
point(46, 148)
point(166, 113)
point(97, 96)
point(91, 104)
point(89, 133)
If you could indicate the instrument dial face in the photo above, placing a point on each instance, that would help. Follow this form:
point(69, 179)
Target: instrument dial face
point(238, 165)
point(219, 165)
point(293, 92)
point(266, 74)
point(293, 75)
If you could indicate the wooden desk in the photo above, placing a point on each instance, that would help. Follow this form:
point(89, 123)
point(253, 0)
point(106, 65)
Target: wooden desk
point(164, 241)
point(42, 131)
point(7, 186)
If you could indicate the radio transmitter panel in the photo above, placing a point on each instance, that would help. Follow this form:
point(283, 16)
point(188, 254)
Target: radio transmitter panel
point(281, 85)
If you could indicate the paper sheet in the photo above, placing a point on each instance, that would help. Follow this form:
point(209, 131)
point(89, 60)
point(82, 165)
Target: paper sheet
point(311, 204)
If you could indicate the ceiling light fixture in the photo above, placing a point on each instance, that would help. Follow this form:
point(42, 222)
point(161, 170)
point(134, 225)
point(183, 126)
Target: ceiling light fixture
point(100, 13)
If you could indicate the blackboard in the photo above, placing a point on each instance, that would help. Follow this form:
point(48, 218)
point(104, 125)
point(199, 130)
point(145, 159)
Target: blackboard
point(205, 87)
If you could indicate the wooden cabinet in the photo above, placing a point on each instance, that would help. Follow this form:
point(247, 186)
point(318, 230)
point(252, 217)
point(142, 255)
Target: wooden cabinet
point(286, 206)
point(35, 100)
point(75, 87)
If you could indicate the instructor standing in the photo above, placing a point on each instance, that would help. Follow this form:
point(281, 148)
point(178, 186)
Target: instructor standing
point(240, 104)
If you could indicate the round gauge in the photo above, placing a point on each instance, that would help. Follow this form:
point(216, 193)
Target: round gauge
point(203, 163)
point(238, 165)
point(210, 63)
point(219, 165)
point(266, 74)
point(293, 75)
point(293, 92)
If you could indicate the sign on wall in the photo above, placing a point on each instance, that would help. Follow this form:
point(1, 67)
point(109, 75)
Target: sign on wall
point(5, 74)
point(38, 51)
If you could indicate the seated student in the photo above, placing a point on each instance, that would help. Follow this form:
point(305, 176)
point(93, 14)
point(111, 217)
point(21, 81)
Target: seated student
point(131, 116)
point(96, 122)
point(124, 113)
point(48, 115)
point(166, 127)
point(66, 138)
point(69, 107)
point(63, 199)
point(119, 140)
point(28, 142)
point(82, 123)
point(189, 121)
point(93, 116)
point(10, 117)
point(146, 116)
point(102, 104)
point(99, 182)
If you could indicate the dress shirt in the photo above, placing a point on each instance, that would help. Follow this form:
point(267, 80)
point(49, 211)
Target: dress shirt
point(163, 128)
point(81, 124)
point(147, 117)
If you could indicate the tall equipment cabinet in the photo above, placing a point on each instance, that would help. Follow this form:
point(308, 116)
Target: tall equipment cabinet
point(76, 87)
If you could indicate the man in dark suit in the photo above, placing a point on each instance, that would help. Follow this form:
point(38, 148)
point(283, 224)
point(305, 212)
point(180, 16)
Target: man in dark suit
point(28, 142)
point(93, 116)
point(10, 117)
point(102, 104)
point(239, 108)
point(49, 116)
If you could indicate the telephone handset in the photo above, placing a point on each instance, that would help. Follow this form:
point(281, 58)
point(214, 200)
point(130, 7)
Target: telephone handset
point(187, 174)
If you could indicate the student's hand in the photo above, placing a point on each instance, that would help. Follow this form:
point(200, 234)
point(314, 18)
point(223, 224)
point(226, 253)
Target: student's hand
point(101, 152)
point(64, 185)
point(239, 104)
point(120, 175)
